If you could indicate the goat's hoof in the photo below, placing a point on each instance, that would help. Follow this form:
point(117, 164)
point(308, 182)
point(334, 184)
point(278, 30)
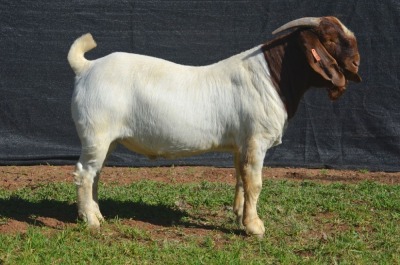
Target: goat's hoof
point(93, 223)
point(255, 227)
point(91, 220)
point(99, 217)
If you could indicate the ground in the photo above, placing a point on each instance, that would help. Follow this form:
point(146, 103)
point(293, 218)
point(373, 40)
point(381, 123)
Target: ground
point(13, 177)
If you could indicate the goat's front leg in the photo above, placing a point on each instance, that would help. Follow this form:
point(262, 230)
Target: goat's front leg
point(251, 164)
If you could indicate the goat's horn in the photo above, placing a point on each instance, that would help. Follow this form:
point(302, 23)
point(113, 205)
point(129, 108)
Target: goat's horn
point(301, 22)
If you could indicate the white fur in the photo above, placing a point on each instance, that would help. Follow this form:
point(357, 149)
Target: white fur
point(158, 108)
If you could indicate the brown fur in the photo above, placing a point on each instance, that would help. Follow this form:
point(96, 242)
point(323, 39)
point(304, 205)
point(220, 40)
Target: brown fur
point(294, 69)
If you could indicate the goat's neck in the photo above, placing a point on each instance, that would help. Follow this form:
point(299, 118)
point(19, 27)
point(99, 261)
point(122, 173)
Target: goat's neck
point(289, 70)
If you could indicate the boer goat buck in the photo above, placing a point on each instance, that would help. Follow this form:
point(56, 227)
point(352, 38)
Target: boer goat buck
point(241, 105)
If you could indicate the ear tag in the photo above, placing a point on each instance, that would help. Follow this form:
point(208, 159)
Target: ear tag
point(316, 55)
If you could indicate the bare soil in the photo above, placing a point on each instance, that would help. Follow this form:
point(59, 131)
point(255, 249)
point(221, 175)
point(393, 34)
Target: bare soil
point(16, 177)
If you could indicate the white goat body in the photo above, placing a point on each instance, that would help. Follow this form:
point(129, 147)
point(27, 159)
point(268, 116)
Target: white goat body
point(159, 108)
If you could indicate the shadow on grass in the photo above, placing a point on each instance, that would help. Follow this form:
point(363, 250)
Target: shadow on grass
point(25, 211)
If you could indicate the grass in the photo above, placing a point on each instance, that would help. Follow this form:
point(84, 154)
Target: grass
point(363, 171)
point(324, 171)
point(306, 223)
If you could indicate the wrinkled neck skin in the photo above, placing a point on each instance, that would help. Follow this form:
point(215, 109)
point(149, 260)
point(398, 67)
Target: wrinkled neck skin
point(290, 71)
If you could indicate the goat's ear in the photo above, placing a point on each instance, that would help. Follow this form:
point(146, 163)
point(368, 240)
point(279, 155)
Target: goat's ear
point(320, 60)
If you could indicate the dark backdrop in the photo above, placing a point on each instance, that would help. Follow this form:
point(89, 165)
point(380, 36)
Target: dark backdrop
point(360, 131)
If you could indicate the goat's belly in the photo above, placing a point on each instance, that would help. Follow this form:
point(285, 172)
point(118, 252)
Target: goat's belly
point(172, 149)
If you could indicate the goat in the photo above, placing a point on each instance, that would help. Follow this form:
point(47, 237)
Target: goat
point(240, 105)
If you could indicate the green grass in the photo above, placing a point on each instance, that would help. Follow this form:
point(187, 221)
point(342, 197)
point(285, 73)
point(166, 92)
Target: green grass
point(363, 171)
point(306, 223)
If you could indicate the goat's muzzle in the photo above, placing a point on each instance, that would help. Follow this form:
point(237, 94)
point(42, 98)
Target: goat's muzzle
point(350, 70)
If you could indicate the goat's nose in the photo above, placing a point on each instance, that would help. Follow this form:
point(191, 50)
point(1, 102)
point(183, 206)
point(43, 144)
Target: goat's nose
point(356, 63)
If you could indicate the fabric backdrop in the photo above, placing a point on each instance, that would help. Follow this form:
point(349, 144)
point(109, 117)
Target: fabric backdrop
point(359, 131)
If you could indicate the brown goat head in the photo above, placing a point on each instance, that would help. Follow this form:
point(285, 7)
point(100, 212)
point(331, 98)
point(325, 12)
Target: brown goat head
point(331, 51)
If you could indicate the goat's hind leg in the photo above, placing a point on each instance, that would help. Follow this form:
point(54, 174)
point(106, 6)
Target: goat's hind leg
point(86, 178)
point(238, 202)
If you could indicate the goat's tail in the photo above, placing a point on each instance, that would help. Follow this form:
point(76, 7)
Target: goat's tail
point(76, 57)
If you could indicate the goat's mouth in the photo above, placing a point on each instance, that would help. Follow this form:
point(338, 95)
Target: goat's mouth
point(352, 76)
